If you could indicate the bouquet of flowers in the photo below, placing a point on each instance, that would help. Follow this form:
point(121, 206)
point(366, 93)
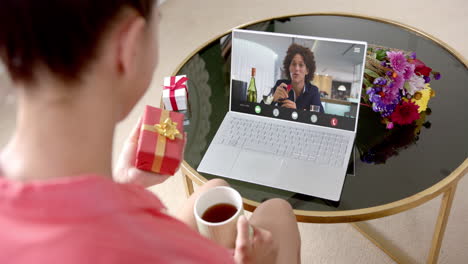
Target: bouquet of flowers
point(397, 85)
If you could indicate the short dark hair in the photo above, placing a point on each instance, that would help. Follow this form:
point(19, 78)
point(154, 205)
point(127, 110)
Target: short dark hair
point(62, 35)
point(306, 54)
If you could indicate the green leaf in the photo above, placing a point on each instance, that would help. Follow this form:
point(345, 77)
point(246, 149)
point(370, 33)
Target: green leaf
point(367, 83)
point(406, 86)
point(371, 73)
point(381, 54)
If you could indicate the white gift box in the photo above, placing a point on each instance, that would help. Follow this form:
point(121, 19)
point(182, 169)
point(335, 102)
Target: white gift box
point(180, 94)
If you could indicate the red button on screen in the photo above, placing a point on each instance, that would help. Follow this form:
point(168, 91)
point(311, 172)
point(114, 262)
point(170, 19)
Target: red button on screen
point(334, 122)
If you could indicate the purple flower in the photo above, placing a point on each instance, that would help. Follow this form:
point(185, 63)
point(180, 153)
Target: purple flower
point(379, 104)
point(375, 107)
point(380, 81)
point(386, 114)
point(383, 102)
point(383, 63)
point(391, 107)
point(387, 110)
point(409, 71)
point(373, 95)
point(390, 97)
point(437, 75)
point(413, 55)
point(398, 82)
point(427, 79)
point(389, 73)
point(397, 60)
point(375, 98)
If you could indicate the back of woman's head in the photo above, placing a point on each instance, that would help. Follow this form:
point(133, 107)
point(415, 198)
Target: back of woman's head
point(60, 35)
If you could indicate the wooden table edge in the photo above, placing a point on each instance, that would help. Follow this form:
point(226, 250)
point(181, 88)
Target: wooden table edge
point(347, 216)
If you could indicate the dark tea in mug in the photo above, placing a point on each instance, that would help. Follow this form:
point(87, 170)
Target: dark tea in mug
point(219, 213)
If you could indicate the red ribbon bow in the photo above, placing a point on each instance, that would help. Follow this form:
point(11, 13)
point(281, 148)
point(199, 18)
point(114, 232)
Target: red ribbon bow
point(173, 87)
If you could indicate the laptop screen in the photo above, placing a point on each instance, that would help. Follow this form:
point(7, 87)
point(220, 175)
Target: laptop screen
point(297, 78)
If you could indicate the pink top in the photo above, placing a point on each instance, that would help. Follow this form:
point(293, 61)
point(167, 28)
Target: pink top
point(91, 219)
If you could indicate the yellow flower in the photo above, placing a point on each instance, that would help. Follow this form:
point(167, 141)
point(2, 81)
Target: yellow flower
point(422, 98)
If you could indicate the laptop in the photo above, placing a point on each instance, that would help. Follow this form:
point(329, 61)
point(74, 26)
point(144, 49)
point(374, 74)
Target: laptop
point(305, 149)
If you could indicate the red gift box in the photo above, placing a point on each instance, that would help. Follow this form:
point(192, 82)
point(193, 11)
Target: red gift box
point(161, 143)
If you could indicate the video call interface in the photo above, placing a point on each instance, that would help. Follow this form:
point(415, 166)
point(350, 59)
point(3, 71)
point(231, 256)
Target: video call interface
point(296, 78)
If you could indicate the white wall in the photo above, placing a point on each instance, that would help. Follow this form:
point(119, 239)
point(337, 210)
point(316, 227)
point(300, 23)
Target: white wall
point(265, 53)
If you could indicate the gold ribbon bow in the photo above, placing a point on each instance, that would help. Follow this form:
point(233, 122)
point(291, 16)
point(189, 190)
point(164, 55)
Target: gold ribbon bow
point(167, 129)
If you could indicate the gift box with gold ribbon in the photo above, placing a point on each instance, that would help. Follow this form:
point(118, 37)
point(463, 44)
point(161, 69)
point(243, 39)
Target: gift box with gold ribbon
point(161, 143)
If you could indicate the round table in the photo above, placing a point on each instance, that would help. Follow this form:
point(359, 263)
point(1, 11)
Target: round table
point(429, 166)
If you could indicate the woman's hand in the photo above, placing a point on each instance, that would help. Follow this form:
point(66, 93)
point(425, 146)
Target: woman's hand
point(258, 249)
point(280, 92)
point(125, 170)
point(288, 104)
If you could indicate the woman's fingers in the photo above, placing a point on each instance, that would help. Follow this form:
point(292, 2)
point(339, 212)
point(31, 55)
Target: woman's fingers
point(280, 92)
point(284, 90)
point(128, 153)
point(284, 94)
point(284, 86)
point(243, 243)
point(288, 104)
point(135, 134)
point(263, 236)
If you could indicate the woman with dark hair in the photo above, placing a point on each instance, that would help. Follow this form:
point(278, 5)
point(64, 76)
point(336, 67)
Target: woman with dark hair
point(299, 67)
point(79, 68)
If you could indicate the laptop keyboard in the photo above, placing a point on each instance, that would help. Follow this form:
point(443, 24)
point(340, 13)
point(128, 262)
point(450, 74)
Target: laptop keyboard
point(297, 143)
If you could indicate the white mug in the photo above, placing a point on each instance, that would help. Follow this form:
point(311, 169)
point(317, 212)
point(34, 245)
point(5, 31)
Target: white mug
point(223, 233)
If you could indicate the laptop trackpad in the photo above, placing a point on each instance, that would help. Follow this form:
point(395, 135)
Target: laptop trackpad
point(256, 167)
point(218, 160)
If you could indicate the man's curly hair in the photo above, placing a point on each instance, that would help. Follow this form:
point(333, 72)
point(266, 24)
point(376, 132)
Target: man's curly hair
point(306, 54)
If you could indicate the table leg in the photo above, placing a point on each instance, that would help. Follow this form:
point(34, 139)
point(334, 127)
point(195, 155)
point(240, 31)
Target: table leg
point(387, 246)
point(394, 252)
point(188, 184)
point(441, 224)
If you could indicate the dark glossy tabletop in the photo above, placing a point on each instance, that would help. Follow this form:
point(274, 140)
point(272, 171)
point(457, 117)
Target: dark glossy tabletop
point(439, 149)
